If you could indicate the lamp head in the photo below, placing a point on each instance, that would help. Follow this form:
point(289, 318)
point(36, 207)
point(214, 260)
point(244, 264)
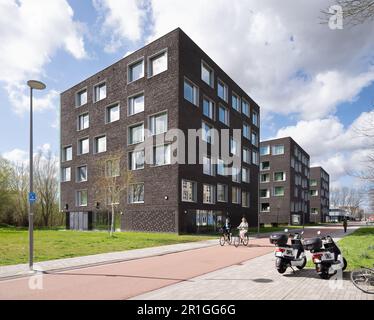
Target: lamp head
point(37, 85)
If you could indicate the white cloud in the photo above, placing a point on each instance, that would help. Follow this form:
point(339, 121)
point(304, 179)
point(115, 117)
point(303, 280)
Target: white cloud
point(17, 156)
point(122, 20)
point(31, 32)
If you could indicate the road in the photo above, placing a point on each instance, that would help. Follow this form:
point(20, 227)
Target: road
point(124, 280)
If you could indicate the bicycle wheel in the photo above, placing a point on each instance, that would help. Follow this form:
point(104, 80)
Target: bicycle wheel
point(363, 279)
point(236, 242)
point(245, 240)
point(222, 240)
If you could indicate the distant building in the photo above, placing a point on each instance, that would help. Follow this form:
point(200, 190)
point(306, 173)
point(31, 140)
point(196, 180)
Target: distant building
point(284, 182)
point(337, 215)
point(319, 194)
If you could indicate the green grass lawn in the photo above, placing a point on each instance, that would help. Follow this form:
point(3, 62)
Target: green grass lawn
point(56, 244)
point(358, 248)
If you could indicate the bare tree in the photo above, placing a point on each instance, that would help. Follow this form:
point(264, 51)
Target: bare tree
point(112, 179)
point(5, 191)
point(20, 185)
point(349, 199)
point(354, 11)
point(46, 185)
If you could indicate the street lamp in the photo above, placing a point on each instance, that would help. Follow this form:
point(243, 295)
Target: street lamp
point(37, 85)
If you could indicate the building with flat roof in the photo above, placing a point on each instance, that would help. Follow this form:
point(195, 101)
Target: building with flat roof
point(319, 194)
point(284, 182)
point(136, 116)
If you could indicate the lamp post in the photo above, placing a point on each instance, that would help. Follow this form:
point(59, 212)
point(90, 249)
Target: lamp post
point(37, 85)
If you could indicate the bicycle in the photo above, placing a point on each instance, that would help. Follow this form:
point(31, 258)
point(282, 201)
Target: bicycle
point(363, 279)
point(244, 240)
point(225, 238)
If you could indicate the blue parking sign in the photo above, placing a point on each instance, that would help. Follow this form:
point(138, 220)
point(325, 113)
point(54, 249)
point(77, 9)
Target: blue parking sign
point(32, 197)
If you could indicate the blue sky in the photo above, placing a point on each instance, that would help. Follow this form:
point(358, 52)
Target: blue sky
point(311, 82)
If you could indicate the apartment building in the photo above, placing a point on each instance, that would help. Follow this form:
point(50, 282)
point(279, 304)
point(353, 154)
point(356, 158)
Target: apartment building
point(168, 84)
point(284, 182)
point(319, 194)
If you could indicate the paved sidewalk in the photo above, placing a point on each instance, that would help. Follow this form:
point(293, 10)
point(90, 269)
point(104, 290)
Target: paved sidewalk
point(20, 270)
point(258, 279)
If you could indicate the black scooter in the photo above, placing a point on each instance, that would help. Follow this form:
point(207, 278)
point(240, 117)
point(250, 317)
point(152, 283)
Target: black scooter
point(326, 255)
point(288, 255)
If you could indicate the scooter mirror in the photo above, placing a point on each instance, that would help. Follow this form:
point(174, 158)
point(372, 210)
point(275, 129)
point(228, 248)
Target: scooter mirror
point(285, 230)
point(319, 232)
point(302, 232)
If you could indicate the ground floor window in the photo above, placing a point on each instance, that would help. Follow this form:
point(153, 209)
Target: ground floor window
point(208, 220)
point(188, 191)
point(296, 219)
point(136, 193)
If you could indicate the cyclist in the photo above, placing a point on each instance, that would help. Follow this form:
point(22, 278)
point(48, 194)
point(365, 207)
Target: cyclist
point(243, 228)
point(227, 227)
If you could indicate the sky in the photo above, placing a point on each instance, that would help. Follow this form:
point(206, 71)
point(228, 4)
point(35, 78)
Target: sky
point(313, 83)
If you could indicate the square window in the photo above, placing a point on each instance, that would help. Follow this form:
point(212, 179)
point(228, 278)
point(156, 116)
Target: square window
point(158, 123)
point(278, 149)
point(313, 182)
point(81, 98)
point(264, 150)
point(81, 198)
point(83, 146)
point(208, 108)
point(158, 63)
point(136, 160)
point(67, 154)
point(264, 193)
point(191, 92)
point(265, 165)
point(100, 144)
point(66, 174)
point(223, 115)
point(136, 71)
point(265, 177)
point(222, 90)
point(162, 155)
point(136, 104)
point(112, 113)
point(136, 134)
point(279, 176)
point(136, 193)
point(265, 207)
point(278, 191)
point(99, 92)
point(207, 74)
point(83, 121)
point(82, 174)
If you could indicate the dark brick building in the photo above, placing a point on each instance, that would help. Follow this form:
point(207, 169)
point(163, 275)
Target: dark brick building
point(319, 194)
point(284, 182)
point(168, 84)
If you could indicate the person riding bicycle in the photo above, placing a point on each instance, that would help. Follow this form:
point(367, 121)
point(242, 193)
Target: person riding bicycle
point(243, 228)
point(227, 227)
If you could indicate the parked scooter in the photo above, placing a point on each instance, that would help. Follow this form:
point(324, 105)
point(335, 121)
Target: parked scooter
point(326, 255)
point(288, 255)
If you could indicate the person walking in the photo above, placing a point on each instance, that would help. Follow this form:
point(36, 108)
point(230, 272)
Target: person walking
point(345, 224)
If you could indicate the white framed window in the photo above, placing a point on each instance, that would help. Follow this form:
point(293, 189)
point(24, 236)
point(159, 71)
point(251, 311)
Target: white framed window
point(255, 158)
point(235, 174)
point(208, 166)
point(81, 198)
point(264, 150)
point(81, 174)
point(265, 177)
point(67, 153)
point(246, 177)
point(314, 193)
point(207, 74)
point(161, 155)
point(81, 98)
point(278, 149)
point(245, 107)
point(246, 131)
point(209, 194)
point(191, 92)
point(208, 108)
point(158, 63)
point(83, 146)
point(255, 118)
point(314, 210)
point(112, 113)
point(254, 138)
point(136, 193)
point(313, 182)
point(246, 155)
point(265, 165)
point(221, 167)
point(222, 192)
point(279, 176)
point(235, 195)
point(207, 132)
point(66, 174)
point(100, 144)
point(265, 207)
point(233, 146)
point(264, 193)
point(223, 115)
point(278, 191)
point(136, 134)
point(189, 189)
point(136, 159)
point(235, 102)
point(158, 123)
point(136, 104)
point(100, 92)
point(222, 90)
point(83, 121)
point(112, 168)
point(245, 199)
point(135, 71)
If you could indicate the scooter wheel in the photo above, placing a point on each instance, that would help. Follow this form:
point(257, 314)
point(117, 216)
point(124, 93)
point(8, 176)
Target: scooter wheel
point(344, 264)
point(303, 265)
point(324, 275)
point(282, 269)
